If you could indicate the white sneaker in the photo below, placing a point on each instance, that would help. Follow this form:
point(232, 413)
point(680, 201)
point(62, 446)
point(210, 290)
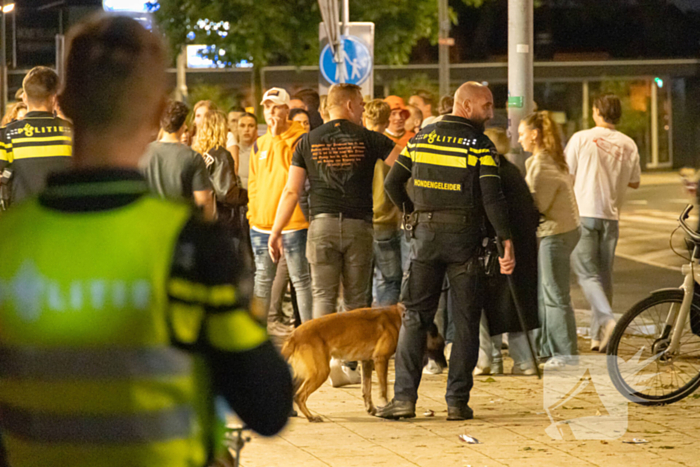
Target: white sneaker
point(354, 376)
point(482, 371)
point(497, 368)
point(524, 370)
point(336, 375)
point(341, 375)
point(553, 364)
point(432, 368)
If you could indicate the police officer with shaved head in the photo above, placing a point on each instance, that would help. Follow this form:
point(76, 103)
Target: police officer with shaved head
point(456, 189)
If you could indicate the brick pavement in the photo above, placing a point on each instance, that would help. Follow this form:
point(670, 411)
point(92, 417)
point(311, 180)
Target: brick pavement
point(510, 418)
point(510, 423)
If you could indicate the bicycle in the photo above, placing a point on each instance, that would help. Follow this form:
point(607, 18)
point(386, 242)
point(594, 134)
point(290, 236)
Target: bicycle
point(654, 352)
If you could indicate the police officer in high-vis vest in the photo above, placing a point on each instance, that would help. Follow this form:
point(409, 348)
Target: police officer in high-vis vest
point(120, 317)
point(456, 187)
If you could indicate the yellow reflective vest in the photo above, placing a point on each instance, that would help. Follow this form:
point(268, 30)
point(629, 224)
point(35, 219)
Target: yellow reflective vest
point(88, 374)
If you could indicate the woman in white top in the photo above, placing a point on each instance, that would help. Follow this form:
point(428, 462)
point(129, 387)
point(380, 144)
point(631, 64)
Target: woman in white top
point(552, 188)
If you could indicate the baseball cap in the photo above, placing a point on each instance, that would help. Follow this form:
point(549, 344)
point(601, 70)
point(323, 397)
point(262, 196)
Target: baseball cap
point(277, 96)
point(396, 103)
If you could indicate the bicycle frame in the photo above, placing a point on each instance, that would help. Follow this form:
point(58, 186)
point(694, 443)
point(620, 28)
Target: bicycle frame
point(675, 324)
point(676, 320)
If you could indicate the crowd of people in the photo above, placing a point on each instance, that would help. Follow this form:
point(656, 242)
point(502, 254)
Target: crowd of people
point(338, 238)
point(346, 203)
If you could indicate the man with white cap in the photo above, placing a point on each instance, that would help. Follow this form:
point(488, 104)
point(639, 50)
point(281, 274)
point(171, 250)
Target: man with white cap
point(269, 169)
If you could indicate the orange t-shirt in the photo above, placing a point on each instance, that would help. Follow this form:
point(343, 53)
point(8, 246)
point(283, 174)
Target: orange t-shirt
point(401, 140)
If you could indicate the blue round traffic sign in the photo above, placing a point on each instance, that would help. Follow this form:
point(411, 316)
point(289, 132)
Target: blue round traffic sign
point(358, 62)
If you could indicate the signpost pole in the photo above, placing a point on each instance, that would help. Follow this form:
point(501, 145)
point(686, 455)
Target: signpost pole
point(340, 52)
point(3, 60)
point(520, 68)
point(443, 36)
point(346, 17)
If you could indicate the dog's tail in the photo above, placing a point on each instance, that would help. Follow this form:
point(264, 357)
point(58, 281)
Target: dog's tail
point(296, 365)
point(288, 347)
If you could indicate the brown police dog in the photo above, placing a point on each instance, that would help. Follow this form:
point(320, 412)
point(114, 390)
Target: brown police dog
point(369, 335)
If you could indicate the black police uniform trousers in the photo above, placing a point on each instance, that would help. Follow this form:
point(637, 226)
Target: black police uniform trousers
point(438, 249)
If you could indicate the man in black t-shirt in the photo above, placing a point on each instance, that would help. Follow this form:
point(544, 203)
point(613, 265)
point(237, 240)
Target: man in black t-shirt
point(175, 171)
point(339, 159)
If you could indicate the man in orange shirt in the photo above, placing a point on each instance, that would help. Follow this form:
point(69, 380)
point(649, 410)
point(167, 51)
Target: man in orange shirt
point(269, 170)
point(396, 130)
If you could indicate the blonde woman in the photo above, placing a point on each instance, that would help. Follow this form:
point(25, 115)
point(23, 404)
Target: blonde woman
point(210, 142)
point(16, 111)
point(198, 112)
point(552, 188)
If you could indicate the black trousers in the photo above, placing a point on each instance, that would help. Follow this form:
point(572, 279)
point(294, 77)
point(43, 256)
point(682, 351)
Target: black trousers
point(438, 249)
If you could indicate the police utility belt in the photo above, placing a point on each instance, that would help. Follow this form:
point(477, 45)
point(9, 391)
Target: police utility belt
point(487, 254)
point(340, 216)
point(440, 217)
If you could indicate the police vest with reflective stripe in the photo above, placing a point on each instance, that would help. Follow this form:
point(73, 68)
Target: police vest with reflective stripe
point(444, 158)
point(87, 373)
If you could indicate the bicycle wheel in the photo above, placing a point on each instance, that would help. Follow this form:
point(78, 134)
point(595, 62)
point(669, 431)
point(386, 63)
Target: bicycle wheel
point(636, 363)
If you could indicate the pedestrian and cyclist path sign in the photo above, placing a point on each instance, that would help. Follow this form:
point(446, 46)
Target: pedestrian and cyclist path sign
point(358, 62)
point(358, 59)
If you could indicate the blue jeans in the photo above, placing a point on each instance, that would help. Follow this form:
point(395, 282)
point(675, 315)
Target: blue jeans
point(490, 347)
point(294, 244)
point(593, 263)
point(387, 261)
point(558, 332)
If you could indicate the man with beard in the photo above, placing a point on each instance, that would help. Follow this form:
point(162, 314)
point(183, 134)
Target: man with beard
point(456, 186)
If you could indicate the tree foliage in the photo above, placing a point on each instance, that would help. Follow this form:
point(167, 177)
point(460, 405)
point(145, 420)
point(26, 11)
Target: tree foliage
point(272, 32)
point(264, 31)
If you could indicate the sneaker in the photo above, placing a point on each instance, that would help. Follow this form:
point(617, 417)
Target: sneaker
point(478, 371)
point(342, 375)
point(497, 368)
point(553, 364)
point(523, 370)
point(395, 410)
point(448, 351)
point(607, 334)
point(432, 368)
point(459, 412)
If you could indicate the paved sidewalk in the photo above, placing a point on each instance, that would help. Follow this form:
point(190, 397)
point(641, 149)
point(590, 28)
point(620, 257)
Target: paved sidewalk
point(510, 423)
point(510, 416)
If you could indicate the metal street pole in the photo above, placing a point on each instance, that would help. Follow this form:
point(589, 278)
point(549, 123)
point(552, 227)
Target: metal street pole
point(346, 17)
point(520, 68)
point(340, 52)
point(444, 34)
point(3, 60)
point(14, 39)
point(520, 98)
